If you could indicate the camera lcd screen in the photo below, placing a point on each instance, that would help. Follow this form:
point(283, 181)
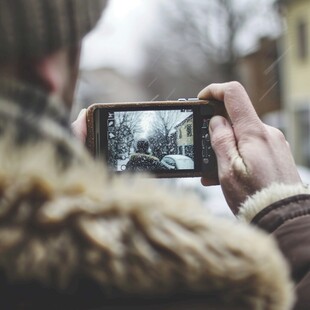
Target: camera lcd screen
point(157, 140)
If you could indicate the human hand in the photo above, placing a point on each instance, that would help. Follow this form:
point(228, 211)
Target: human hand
point(79, 127)
point(250, 154)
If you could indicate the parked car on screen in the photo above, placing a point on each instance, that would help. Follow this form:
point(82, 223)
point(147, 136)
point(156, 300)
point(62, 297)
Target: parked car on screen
point(178, 162)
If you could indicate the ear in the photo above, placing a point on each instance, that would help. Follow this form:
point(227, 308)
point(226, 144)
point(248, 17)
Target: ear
point(52, 71)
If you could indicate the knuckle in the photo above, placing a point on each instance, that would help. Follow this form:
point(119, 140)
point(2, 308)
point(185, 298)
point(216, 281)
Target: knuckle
point(236, 170)
point(275, 133)
point(266, 135)
point(253, 130)
point(235, 86)
point(279, 134)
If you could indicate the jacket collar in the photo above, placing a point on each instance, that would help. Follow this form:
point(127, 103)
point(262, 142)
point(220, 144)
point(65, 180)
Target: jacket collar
point(33, 101)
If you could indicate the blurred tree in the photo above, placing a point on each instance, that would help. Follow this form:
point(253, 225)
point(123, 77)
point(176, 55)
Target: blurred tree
point(161, 132)
point(201, 41)
point(124, 127)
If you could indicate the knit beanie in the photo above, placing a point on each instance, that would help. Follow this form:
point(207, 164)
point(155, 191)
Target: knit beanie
point(33, 28)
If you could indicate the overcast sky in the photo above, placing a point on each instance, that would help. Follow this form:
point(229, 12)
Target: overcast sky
point(118, 38)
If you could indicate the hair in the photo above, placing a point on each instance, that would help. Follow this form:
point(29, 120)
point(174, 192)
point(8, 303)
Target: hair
point(142, 146)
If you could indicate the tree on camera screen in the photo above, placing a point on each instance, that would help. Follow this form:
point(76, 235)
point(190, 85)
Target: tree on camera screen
point(151, 140)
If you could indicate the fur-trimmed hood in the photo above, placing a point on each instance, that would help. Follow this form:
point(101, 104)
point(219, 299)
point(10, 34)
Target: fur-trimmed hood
point(63, 217)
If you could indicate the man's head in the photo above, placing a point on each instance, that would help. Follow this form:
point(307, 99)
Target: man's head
point(142, 146)
point(40, 41)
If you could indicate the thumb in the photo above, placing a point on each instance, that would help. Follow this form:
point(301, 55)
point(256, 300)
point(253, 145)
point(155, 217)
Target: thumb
point(79, 127)
point(223, 143)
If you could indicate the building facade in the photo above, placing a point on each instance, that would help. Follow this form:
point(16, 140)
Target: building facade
point(295, 60)
point(259, 73)
point(185, 137)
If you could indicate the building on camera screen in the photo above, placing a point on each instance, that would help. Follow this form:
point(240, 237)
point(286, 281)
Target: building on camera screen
point(151, 140)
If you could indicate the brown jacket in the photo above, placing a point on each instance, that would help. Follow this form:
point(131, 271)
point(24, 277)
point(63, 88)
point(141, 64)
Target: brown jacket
point(288, 220)
point(72, 237)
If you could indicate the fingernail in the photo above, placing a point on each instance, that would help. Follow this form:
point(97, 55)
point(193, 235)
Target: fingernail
point(216, 122)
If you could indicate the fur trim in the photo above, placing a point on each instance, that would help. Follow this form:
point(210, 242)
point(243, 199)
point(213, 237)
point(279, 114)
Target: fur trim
point(134, 235)
point(262, 199)
point(127, 234)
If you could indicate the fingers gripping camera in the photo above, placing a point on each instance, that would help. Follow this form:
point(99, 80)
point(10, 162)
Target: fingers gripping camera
point(164, 138)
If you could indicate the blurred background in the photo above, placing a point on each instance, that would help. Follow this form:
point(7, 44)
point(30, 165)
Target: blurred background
point(161, 50)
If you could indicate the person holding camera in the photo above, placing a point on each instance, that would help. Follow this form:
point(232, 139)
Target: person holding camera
point(265, 190)
point(142, 160)
point(73, 237)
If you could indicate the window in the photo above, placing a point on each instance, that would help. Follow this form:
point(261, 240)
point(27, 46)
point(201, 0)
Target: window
point(180, 133)
point(302, 40)
point(189, 130)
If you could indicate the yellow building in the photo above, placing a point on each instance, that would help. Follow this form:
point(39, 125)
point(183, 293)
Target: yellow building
point(185, 137)
point(295, 61)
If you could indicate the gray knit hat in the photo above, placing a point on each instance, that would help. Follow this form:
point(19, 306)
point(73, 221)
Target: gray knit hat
point(32, 28)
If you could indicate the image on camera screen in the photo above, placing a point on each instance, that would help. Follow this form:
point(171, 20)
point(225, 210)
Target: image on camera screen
point(159, 140)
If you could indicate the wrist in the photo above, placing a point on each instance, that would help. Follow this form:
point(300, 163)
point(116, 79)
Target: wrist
point(267, 196)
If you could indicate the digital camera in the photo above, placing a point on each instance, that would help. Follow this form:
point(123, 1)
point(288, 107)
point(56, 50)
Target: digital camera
point(166, 139)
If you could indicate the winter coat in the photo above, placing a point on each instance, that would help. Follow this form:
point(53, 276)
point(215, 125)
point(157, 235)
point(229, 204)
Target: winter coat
point(284, 212)
point(74, 237)
point(143, 162)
